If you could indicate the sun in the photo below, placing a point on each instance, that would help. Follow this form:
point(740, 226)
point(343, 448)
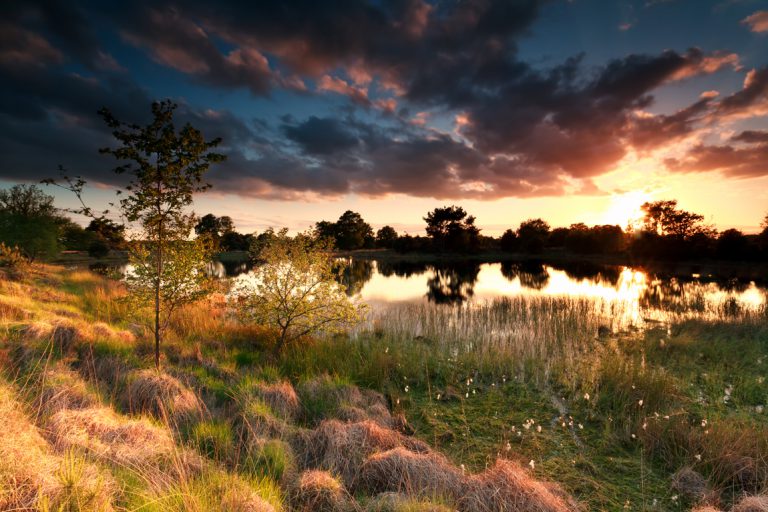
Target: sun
point(624, 209)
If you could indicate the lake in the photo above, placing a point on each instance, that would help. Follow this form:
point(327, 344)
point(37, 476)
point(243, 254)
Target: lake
point(629, 296)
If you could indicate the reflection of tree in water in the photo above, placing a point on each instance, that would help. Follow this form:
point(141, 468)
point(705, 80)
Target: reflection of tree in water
point(355, 274)
point(591, 271)
point(531, 274)
point(401, 268)
point(452, 283)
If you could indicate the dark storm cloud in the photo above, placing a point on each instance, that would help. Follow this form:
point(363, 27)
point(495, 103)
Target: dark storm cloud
point(321, 136)
point(520, 130)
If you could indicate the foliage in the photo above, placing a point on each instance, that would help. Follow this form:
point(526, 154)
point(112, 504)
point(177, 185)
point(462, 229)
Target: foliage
point(349, 232)
point(664, 218)
point(214, 226)
point(166, 169)
point(451, 228)
point(11, 257)
point(386, 237)
point(110, 232)
point(508, 241)
point(27, 201)
point(295, 290)
point(532, 235)
point(29, 221)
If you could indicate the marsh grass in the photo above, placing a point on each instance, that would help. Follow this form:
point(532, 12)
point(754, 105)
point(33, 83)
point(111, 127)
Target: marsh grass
point(584, 392)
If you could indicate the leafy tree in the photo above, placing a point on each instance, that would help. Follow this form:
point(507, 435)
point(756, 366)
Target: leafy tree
point(732, 245)
point(29, 221)
point(213, 226)
point(532, 235)
point(296, 290)
point(349, 232)
point(27, 201)
point(509, 241)
point(451, 228)
point(665, 219)
point(386, 237)
point(165, 168)
point(73, 236)
point(110, 232)
point(234, 241)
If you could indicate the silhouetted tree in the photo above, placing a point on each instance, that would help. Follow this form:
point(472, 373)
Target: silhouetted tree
point(110, 232)
point(452, 229)
point(532, 235)
point(732, 245)
point(348, 233)
point(386, 237)
point(509, 241)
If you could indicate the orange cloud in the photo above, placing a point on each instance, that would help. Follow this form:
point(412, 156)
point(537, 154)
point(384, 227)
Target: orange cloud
point(757, 22)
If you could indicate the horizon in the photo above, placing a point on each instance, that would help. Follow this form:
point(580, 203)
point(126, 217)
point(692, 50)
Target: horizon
point(570, 111)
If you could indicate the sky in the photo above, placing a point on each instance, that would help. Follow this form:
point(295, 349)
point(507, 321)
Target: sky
point(568, 110)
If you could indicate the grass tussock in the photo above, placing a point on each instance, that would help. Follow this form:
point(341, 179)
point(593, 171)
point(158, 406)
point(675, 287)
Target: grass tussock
point(325, 397)
point(342, 448)
point(162, 396)
point(394, 502)
point(279, 396)
point(507, 487)
point(414, 474)
point(752, 504)
point(33, 477)
point(107, 436)
point(319, 491)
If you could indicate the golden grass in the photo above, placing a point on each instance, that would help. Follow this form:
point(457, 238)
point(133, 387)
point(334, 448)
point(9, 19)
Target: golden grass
point(31, 475)
point(752, 504)
point(414, 474)
point(394, 502)
point(507, 487)
point(161, 395)
point(319, 491)
point(342, 448)
point(279, 396)
point(107, 436)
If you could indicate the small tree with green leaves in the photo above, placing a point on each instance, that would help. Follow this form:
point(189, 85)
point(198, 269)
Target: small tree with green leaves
point(166, 168)
point(296, 290)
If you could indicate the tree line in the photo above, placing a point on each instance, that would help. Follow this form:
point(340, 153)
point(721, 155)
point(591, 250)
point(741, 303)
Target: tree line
point(667, 232)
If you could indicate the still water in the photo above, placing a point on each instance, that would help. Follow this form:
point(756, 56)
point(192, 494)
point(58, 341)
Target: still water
point(637, 295)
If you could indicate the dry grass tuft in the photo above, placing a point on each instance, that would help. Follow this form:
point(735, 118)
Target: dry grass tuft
point(506, 487)
point(752, 504)
point(693, 486)
point(61, 388)
point(319, 491)
point(394, 502)
point(259, 421)
point(32, 477)
point(107, 436)
point(334, 399)
point(343, 447)
point(161, 395)
point(242, 498)
point(280, 397)
point(415, 474)
point(706, 508)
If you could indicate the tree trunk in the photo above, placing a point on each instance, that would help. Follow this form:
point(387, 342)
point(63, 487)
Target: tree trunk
point(157, 305)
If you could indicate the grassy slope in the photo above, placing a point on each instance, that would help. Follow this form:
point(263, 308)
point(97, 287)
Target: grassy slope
point(482, 410)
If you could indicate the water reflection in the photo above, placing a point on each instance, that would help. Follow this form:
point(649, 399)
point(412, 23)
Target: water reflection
point(628, 296)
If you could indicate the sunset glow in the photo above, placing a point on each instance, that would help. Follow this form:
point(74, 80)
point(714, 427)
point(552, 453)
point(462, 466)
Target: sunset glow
point(569, 111)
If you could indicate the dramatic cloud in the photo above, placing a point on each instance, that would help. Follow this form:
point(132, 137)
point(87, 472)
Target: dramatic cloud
point(757, 22)
point(398, 96)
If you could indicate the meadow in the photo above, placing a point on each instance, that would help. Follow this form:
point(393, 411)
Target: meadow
point(548, 403)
